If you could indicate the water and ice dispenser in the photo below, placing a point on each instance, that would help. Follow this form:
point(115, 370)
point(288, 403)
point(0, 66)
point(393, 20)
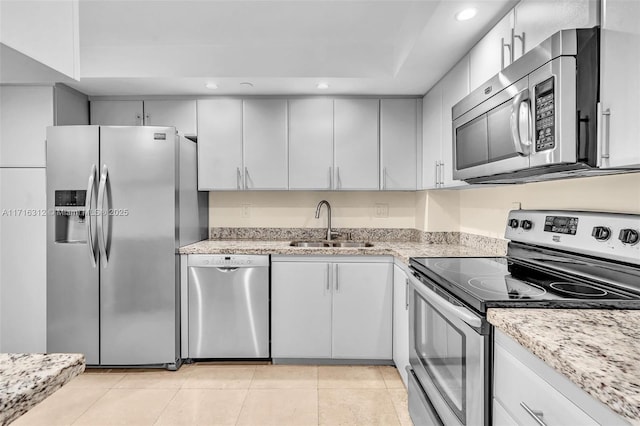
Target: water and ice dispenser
point(70, 225)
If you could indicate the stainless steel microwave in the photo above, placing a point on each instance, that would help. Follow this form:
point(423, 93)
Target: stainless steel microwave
point(535, 120)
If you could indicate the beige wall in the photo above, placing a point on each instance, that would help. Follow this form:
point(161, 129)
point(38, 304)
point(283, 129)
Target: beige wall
point(484, 210)
point(292, 209)
point(477, 210)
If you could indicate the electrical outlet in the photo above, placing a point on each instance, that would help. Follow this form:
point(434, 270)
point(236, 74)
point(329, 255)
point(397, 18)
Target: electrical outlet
point(381, 210)
point(245, 211)
point(516, 205)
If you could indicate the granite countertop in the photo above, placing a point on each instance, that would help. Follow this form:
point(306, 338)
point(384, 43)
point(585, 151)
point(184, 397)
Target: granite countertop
point(27, 379)
point(599, 350)
point(400, 250)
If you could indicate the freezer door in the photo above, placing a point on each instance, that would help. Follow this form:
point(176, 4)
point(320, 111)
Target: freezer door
point(137, 241)
point(72, 276)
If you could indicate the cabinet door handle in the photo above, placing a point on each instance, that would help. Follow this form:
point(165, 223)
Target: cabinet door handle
point(147, 119)
point(238, 178)
point(537, 415)
point(139, 119)
point(330, 177)
point(602, 125)
point(406, 294)
point(328, 276)
point(336, 275)
point(437, 173)
point(384, 178)
point(246, 176)
point(520, 37)
point(441, 174)
point(508, 46)
point(338, 181)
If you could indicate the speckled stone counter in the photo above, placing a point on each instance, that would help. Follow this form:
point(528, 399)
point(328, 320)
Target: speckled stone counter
point(27, 379)
point(599, 350)
point(400, 250)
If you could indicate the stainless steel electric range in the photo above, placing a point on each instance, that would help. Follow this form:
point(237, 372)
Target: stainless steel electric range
point(555, 259)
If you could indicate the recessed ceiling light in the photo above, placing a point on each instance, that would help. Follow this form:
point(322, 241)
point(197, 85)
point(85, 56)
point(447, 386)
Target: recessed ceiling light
point(211, 86)
point(466, 14)
point(322, 86)
point(246, 84)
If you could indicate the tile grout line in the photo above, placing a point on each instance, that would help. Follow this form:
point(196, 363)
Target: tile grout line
point(167, 405)
point(96, 401)
point(244, 400)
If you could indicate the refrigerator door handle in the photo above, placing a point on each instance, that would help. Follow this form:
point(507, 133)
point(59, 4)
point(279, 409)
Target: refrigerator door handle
point(88, 215)
point(101, 193)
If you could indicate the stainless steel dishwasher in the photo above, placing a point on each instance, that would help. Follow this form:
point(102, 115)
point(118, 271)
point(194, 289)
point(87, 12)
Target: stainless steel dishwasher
point(228, 306)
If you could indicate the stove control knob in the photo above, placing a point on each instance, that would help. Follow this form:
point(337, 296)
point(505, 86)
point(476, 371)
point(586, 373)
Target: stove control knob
point(513, 223)
point(601, 233)
point(526, 224)
point(629, 236)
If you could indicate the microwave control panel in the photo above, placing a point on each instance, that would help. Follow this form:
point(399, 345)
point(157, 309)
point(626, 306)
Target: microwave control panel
point(545, 116)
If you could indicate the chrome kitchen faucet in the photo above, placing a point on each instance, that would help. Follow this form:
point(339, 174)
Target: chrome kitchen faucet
point(330, 233)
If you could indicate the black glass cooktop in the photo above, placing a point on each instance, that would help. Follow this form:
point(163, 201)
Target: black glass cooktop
point(487, 282)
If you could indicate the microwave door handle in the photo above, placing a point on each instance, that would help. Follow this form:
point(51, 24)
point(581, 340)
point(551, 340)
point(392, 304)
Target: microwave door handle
point(523, 148)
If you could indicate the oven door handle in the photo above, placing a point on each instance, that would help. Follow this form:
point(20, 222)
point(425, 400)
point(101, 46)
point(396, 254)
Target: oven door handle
point(447, 307)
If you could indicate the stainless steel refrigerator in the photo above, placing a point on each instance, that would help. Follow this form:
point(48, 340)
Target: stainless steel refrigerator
point(121, 200)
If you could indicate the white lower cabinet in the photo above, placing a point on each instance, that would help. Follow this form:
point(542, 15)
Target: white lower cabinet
point(331, 307)
point(527, 391)
point(400, 322)
point(300, 310)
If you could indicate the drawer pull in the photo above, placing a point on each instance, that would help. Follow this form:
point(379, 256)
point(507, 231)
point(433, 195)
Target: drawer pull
point(537, 415)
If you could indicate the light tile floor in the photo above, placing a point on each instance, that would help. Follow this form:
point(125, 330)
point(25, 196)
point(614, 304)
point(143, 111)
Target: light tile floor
point(236, 394)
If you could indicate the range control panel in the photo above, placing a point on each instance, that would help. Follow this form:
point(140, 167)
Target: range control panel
point(607, 235)
point(545, 107)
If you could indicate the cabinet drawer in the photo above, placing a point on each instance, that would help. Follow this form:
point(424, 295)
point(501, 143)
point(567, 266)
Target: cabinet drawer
point(517, 386)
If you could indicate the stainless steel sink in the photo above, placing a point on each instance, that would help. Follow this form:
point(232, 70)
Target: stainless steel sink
point(310, 244)
point(351, 244)
point(336, 244)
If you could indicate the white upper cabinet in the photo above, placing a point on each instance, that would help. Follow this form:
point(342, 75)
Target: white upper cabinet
point(455, 86)
point(492, 53)
point(356, 144)
point(117, 113)
point(26, 111)
point(432, 137)
point(537, 20)
point(620, 79)
point(179, 114)
point(220, 145)
point(398, 137)
point(525, 27)
point(311, 143)
point(47, 31)
point(265, 144)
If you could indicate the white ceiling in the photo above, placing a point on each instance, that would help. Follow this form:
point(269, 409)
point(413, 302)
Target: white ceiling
point(170, 47)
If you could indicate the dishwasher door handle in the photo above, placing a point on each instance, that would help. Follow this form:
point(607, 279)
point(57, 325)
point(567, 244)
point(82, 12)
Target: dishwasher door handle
point(227, 269)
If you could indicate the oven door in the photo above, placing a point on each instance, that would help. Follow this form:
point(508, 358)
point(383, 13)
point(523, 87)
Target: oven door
point(448, 354)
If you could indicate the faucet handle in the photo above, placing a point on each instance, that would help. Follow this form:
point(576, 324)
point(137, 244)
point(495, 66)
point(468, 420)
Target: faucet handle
point(335, 234)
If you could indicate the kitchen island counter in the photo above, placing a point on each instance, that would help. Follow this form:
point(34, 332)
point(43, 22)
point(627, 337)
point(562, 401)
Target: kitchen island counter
point(400, 250)
point(599, 350)
point(27, 379)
